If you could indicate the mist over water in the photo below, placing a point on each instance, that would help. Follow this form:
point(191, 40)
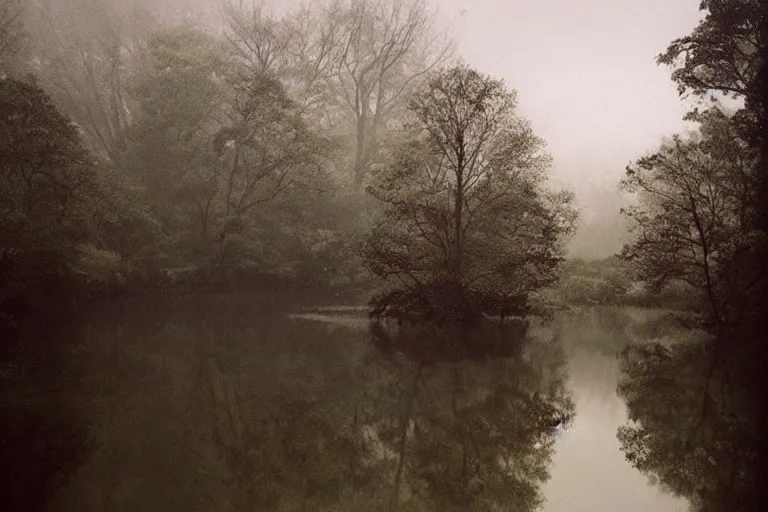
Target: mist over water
point(204, 383)
point(396, 255)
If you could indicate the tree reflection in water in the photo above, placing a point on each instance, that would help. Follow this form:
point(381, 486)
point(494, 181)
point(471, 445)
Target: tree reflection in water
point(214, 409)
point(472, 430)
point(691, 428)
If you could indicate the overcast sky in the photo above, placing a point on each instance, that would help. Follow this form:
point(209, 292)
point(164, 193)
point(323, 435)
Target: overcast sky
point(585, 72)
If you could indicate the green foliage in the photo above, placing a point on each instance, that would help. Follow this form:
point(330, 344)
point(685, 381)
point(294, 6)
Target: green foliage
point(214, 145)
point(179, 94)
point(206, 160)
point(468, 218)
point(607, 282)
point(106, 268)
point(351, 66)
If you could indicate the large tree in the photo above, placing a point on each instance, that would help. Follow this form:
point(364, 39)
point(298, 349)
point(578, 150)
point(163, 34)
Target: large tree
point(350, 64)
point(469, 225)
point(266, 155)
point(85, 53)
point(386, 48)
point(699, 212)
point(181, 96)
point(50, 198)
point(723, 55)
point(695, 220)
point(214, 142)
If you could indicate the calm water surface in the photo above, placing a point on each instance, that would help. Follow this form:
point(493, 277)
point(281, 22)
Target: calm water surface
point(589, 472)
point(225, 405)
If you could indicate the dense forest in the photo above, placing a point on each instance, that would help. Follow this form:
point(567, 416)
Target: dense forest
point(344, 149)
point(265, 153)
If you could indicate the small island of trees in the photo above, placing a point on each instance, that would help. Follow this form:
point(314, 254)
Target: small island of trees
point(469, 228)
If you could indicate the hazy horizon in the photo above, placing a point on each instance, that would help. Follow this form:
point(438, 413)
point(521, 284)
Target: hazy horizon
point(587, 79)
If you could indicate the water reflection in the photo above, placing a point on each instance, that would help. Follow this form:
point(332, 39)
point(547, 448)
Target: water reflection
point(472, 434)
point(219, 408)
point(589, 472)
point(691, 428)
point(44, 434)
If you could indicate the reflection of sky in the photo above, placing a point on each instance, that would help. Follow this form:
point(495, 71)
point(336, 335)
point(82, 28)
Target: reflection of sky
point(589, 472)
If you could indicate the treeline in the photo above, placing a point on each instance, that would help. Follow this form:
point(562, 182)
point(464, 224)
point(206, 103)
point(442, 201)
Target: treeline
point(339, 142)
point(698, 216)
point(698, 219)
point(148, 145)
point(698, 406)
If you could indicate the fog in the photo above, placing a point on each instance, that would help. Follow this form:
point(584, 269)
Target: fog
point(587, 77)
point(385, 255)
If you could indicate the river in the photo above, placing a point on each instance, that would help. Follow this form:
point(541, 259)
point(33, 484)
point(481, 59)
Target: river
point(224, 404)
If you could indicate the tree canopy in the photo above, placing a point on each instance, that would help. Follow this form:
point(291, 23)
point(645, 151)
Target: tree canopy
point(469, 227)
point(50, 197)
point(697, 213)
point(723, 55)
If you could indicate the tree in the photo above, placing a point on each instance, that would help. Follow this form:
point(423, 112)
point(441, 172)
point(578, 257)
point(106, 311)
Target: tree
point(11, 36)
point(49, 193)
point(469, 227)
point(350, 65)
point(181, 96)
point(264, 150)
point(85, 53)
point(85, 66)
point(256, 37)
point(723, 55)
point(386, 48)
point(726, 54)
point(214, 143)
point(696, 217)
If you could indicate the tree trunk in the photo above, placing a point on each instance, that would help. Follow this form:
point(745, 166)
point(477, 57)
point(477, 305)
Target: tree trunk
point(360, 157)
